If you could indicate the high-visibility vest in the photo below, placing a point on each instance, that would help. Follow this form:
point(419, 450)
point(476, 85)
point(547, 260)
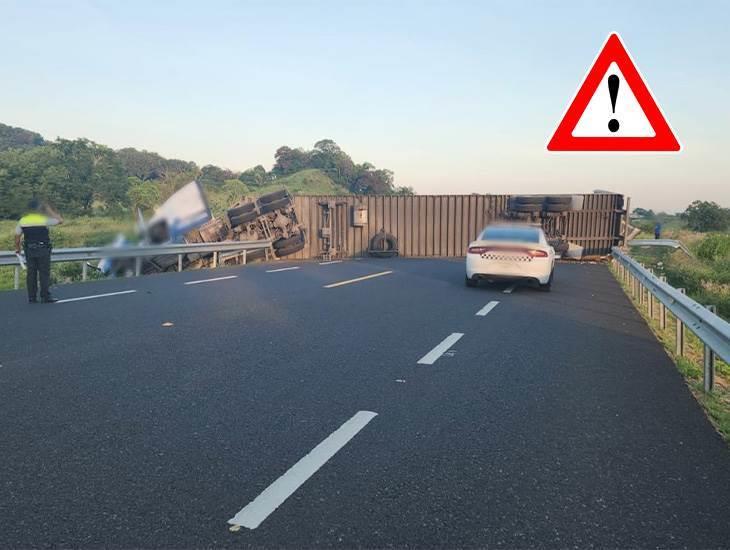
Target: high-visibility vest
point(35, 228)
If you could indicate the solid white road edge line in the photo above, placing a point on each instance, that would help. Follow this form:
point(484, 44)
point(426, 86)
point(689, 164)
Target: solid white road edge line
point(358, 279)
point(331, 262)
point(438, 351)
point(80, 298)
point(275, 494)
point(281, 269)
point(212, 280)
point(509, 289)
point(486, 309)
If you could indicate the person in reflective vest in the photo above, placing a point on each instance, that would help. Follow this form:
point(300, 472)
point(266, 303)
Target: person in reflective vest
point(32, 229)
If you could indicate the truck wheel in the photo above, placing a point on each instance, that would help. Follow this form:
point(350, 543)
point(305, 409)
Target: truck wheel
point(290, 250)
point(243, 209)
point(528, 199)
point(558, 199)
point(275, 205)
point(556, 207)
point(271, 197)
point(243, 218)
point(286, 243)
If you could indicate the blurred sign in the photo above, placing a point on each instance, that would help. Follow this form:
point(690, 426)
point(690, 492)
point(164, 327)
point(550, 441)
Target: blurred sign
point(613, 110)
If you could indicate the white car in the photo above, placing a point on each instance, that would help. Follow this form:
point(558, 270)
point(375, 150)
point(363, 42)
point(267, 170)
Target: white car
point(511, 252)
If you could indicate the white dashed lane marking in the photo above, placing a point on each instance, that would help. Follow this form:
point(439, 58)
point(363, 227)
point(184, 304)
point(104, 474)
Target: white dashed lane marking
point(509, 289)
point(358, 279)
point(486, 309)
point(81, 298)
point(275, 494)
point(281, 269)
point(431, 357)
point(212, 280)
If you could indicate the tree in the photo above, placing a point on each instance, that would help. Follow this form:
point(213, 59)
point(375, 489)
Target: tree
point(643, 213)
point(288, 161)
point(151, 166)
point(706, 216)
point(214, 175)
point(143, 194)
point(18, 138)
point(255, 177)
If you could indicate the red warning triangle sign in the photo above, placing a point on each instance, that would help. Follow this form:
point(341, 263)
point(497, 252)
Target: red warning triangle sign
point(613, 109)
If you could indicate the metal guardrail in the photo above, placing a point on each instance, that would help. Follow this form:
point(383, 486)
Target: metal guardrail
point(670, 243)
point(713, 331)
point(9, 258)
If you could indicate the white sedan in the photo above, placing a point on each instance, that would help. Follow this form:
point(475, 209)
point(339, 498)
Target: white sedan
point(511, 252)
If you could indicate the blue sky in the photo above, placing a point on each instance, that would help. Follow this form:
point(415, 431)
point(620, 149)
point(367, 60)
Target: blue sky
point(454, 97)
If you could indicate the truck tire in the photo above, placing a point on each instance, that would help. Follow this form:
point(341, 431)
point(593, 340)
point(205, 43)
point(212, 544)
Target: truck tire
point(556, 207)
point(291, 241)
point(558, 199)
point(275, 205)
point(526, 207)
point(290, 250)
point(243, 218)
point(271, 197)
point(243, 209)
point(252, 255)
point(528, 199)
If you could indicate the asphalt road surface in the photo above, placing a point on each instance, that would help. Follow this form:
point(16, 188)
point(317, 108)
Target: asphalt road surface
point(382, 412)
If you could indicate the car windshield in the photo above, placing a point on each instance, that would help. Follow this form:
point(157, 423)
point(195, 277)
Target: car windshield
point(519, 234)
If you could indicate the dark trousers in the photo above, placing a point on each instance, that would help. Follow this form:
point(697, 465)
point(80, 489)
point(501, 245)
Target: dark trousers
point(38, 261)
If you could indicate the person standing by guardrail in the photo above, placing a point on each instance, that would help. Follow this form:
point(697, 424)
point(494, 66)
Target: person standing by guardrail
point(32, 229)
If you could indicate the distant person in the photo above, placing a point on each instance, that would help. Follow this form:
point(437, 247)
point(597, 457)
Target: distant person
point(33, 230)
point(658, 231)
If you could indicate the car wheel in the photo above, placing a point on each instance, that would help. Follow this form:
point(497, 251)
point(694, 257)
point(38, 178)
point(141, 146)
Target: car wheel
point(548, 286)
point(471, 283)
point(275, 205)
point(271, 197)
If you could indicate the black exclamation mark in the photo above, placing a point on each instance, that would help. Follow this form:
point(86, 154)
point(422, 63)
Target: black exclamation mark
point(613, 82)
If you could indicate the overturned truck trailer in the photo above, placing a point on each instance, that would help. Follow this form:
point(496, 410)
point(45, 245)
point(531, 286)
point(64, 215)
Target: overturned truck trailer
point(270, 217)
point(186, 218)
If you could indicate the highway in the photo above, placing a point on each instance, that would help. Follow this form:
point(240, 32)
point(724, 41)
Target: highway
point(372, 403)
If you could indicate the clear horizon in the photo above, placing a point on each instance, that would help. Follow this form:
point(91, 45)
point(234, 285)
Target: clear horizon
point(454, 98)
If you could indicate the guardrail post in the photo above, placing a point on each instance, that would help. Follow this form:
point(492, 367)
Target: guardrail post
point(215, 259)
point(245, 256)
point(137, 266)
point(84, 271)
point(680, 332)
point(662, 310)
point(16, 278)
point(651, 303)
point(709, 360)
point(179, 262)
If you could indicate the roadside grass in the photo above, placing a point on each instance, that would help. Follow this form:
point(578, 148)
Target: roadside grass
point(80, 231)
point(691, 365)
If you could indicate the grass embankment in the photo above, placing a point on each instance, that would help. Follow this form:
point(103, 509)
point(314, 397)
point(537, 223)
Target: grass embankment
point(304, 182)
point(716, 404)
point(705, 276)
point(82, 231)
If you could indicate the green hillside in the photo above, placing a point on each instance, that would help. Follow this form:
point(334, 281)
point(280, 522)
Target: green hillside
point(305, 182)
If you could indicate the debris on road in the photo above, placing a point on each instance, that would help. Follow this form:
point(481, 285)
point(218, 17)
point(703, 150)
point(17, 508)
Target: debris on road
point(168, 324)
